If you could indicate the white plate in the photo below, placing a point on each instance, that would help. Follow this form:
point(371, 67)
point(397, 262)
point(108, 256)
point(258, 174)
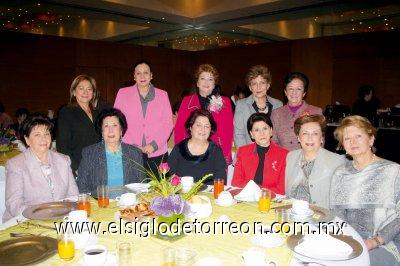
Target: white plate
point(126, 206)
point(111, 260)
point(267, 241)
point(138, 187)
point(309, 213)
point(228, 205)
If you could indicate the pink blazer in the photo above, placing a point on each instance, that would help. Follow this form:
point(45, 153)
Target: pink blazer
point(224, 120)
point(274, 167)
point(156, 125)
point(26, 185)
point(283, 122)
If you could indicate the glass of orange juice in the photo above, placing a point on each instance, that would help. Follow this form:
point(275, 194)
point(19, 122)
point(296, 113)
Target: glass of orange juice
point(84, 203)
point(66, 247)
point(102, 196)
point(264, 203)
point(218, 187)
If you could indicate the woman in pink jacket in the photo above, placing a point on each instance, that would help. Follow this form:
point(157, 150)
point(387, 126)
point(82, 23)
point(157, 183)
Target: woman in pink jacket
point(208, 97)
point(296, 87)
point(149, 116)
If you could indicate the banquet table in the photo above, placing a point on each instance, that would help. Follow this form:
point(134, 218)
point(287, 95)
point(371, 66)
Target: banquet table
point(227, 247)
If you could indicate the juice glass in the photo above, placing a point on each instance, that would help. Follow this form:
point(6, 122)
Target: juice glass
point(84, 203)
point(218, 187)
point(102, 196)
point(282, 216)
point(66, 247)
point(125, 252)
point(264, 203)
point(169, 257)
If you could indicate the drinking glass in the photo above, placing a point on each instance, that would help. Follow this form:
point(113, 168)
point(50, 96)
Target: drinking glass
point(184, 257)
point(282, 216)
point(66, 247)
point(169, 257)
point(264, 203)
point(84, 203)
point(103, 199)
point(218, 187)
point(125, 254)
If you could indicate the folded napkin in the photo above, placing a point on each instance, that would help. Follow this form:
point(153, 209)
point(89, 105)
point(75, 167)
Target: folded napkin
point(251, 192)
point(323, 247)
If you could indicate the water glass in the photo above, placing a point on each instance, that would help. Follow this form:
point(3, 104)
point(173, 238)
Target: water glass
point(282, 216)
point(66, 247)
point(125, 252)
point(264, 203)
point(84, 203)
point(169, 257)
point(218, 187)
point(103, 199)
point(184, 257)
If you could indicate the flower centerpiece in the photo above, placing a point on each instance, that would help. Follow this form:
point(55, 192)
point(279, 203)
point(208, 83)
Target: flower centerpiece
point(169, 204)
point(6, 136)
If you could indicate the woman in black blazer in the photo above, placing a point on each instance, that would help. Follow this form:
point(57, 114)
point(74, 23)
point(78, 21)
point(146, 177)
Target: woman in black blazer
point(75, 128)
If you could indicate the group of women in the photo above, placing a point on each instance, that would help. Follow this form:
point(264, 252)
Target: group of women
point(280, 147)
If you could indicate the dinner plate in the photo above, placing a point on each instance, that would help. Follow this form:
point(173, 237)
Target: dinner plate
point(320, 214)
point(111, 260)
point(49, 210)
point(27, 250)
point(294, 240)
point(138, 187)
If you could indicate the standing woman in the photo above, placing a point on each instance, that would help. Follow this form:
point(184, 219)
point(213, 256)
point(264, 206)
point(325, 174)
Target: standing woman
point(75, 125)
point(208, 98)
point(365, 192)
point(259, 80)
point(149, 116)
point(296, 87)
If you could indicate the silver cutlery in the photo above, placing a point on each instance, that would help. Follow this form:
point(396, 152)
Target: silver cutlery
point(305, 263)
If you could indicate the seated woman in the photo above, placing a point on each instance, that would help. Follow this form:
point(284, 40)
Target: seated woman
point(197, 155)
point(262, 161)
point(365, 192)
point(309, 170)
point(37, 175)
point(109, 162)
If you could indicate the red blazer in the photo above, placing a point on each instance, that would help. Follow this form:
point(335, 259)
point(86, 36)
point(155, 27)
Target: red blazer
point(274, 167)
point(224, 120)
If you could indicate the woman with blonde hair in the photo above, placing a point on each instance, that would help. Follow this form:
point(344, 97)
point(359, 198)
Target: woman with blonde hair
point(365, 191)
point(75, 125)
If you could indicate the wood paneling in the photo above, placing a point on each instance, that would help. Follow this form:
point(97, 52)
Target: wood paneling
point(36, 71)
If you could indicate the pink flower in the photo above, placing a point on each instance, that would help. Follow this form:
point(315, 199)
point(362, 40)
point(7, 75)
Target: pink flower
point(175, 180)
point(164, 168)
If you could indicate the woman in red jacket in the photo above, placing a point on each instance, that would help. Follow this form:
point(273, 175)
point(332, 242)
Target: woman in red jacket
point(262, 161)
point(208, 98)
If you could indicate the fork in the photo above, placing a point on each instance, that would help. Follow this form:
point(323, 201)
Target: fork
point(305, 263)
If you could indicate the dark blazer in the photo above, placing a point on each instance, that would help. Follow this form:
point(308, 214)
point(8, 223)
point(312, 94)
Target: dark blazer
point(93, 167)
point(75, 131)
point(274, 167)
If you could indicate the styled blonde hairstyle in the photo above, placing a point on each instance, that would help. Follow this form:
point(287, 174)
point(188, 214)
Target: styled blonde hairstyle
point(357, 121)
point(206, 68)
point(74, 84)
point(316, 118)
point(258, 70)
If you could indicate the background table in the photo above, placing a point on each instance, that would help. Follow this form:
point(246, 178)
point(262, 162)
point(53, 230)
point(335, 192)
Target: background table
point(148, 251)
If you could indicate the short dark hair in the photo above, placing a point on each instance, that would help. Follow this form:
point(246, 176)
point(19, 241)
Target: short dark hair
point(316, 118)
point(257, 117)
point(297, 75)
point(194, 115)
point(139, 63)
point(21, 111)
point(35, 120)
point(107, 112)
point(364, 90)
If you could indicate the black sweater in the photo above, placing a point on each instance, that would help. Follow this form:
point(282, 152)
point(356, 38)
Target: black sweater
point(183, 163)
